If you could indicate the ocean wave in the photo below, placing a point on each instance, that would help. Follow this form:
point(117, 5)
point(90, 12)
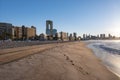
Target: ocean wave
point(108, 49)
point(109, 53)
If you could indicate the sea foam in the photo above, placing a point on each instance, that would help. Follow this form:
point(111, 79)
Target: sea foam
point(109, 52)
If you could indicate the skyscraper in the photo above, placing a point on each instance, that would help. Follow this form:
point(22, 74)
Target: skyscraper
point(49, 29)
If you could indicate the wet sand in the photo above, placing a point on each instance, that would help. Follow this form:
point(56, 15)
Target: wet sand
point(70, 61)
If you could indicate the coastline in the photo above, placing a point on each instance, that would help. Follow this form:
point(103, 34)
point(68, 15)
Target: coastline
point(96, 51)
point(71, 61)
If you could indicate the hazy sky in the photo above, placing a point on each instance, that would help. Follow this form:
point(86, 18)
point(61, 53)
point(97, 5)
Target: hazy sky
point(81, 16)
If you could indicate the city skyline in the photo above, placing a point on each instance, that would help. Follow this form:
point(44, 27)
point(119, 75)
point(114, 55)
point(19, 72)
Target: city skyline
point(81, 16)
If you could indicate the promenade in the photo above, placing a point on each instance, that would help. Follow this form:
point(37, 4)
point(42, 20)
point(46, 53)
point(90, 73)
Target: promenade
point(14, 44)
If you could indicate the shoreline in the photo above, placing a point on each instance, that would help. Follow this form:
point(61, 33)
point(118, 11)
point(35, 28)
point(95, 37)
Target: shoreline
point(71, 61)
point(94, 52)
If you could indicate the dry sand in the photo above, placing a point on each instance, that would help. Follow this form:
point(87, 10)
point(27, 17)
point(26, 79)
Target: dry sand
point(71, 61)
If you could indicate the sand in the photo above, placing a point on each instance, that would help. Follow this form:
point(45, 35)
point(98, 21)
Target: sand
point(69, 61)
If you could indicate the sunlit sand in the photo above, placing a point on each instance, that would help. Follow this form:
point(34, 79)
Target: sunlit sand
point(70, 61)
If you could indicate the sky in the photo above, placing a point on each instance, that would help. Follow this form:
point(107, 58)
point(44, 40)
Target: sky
point(80, 16)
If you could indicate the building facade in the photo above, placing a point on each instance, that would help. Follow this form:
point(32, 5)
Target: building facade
point(17, 32)
point(64, 36)
point(30, 33)
point(75, 36)
point(102, 36)
point(6, 31)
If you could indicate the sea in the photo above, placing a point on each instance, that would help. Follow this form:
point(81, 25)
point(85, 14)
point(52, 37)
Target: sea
point(108, 51)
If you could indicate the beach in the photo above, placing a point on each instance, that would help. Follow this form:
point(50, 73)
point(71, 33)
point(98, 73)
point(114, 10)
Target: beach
point(60, 61)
